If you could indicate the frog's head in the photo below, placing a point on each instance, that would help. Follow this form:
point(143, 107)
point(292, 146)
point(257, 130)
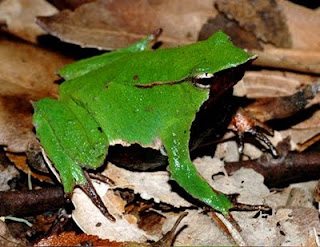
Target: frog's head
point(220, 82)
point(221, 64)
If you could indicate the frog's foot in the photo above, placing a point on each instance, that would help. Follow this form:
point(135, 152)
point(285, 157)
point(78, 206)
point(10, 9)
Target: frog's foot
point(91, 192)
point(236, 206)
point(243, 123)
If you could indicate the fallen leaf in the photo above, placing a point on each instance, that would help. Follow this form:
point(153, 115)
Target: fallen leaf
point(7, 173)
point(277, 22)
point(72, 239)
point(68, 239)
point(20, 161)
point(245, 182)
point(270, 83)
point(69, 4)
point(107, 24)
point(287, 226)
point(313, 239)
point(89, 218)
point(18, 17)
point(262, 18)
point(239, 36)
point(258, 228)
point(303, 24)
point(26, 74)
point(150, 185)
point(6, 239)
point(200, 230)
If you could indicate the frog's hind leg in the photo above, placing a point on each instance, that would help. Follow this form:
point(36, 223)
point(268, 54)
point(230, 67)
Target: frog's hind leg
point(185, 174)
point(72, 140)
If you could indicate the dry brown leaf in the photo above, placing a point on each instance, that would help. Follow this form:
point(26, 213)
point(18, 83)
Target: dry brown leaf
point(285, 227)
point(70, 239)
point(262, 18)
point(245, 182)
point(200, 230)
point(280, 23)
point(313, 239)
point(270, 83)
point(238, 35)
point(6, 239)
point(303, 24)
point(150, 185)
point(69, 4)
point(26, 74)
point(107, 24)
point(91, 221)
point(6, 174)
point(20, 161)
point(18, 17)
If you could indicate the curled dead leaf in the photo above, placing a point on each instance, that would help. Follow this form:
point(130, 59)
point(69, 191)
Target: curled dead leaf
point(264, 19)
point(18, 17)
point(20, 161)
point(106, 24)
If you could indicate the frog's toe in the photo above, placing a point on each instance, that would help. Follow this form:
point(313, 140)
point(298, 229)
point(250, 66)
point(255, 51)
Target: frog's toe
point(242, 123)
point(102, 178)
point(91, 192)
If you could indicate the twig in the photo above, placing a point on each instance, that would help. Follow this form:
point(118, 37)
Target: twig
point(291, 168)
point(30, 202)
point(232, 229)
point(307, 61)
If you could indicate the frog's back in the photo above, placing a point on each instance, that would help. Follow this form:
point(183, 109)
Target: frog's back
point(163, 65)
point(175, 64)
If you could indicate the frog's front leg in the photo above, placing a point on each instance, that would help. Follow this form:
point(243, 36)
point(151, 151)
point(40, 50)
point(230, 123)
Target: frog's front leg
point(243, 122)
point(185, 174)
point(73, 140)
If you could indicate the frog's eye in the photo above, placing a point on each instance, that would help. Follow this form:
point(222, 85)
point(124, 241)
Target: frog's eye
point(203, 80)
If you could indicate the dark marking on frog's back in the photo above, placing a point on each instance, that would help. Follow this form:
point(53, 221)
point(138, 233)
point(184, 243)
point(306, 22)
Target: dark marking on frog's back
point(151, 85)
point(150, 108)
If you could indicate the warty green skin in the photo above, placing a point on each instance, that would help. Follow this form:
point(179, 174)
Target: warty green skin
point(138, 97)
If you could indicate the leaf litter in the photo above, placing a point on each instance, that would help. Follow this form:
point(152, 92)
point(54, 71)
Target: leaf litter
point(201, 228)
point(106, 24)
